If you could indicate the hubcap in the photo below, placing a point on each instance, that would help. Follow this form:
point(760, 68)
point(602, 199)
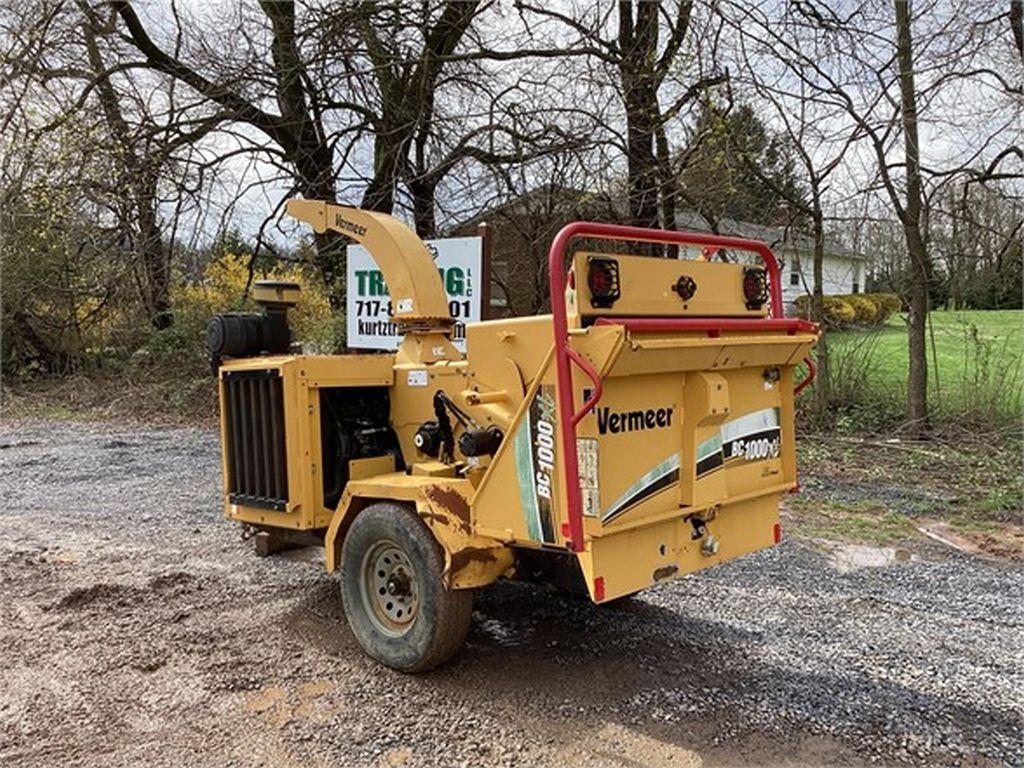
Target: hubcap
point(390, 592)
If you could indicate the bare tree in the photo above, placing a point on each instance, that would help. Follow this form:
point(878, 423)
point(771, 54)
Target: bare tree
point(869, 70)
point(145, 133)
point(642, 65)
point(343, 76)
point(297, 129)
point(820, 140)
point(144, 152)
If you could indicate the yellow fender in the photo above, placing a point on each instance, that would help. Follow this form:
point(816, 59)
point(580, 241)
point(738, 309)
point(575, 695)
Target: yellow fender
point(443, 504)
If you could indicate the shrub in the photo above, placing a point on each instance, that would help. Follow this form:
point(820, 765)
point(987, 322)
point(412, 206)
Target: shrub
point(842, 311)
point(838, 312)
point(865, 309)
point(803, 306)
point(888, 305)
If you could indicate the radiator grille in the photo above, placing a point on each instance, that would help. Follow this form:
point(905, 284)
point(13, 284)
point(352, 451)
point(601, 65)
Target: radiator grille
point(254, 413)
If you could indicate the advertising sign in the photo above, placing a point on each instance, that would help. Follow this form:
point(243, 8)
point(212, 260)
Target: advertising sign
point(369, 310)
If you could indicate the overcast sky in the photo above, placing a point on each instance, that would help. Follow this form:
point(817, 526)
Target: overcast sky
point(961, 119)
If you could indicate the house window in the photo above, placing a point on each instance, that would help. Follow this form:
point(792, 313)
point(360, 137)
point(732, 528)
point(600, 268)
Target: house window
point(856, 288)
point(794, 278)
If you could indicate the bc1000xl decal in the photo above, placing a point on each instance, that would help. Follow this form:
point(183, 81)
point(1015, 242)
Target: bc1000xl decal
point(751, 437)
point(534, 444)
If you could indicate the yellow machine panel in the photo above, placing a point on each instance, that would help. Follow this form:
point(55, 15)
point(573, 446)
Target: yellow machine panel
point(653, 287)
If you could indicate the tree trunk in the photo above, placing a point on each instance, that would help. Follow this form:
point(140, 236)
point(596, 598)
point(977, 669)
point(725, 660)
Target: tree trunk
point(305, 142)
point(638, 43)
point(669, 188)
point(155, 258)
point(917, 380)
point(142, 170)
point(423, 191)
point(388, 154)
point(821, 383)
point(53, 360)
point(642, 163)
point(956, 261)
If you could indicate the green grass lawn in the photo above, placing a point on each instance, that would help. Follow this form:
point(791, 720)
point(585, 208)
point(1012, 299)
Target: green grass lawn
point(975, 367)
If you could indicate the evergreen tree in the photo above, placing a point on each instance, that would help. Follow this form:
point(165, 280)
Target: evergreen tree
point(734, 165)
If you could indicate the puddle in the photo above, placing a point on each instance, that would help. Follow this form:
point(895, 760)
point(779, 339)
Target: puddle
point(849, 557)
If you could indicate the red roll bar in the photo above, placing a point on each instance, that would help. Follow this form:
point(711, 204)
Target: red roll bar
point(565, 400)
point(812, 371)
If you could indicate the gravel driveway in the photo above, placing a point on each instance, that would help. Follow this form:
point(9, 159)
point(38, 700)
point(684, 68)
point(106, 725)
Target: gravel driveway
point(137, 627)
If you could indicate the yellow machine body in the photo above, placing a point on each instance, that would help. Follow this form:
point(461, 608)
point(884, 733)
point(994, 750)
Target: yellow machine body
point(682, 461)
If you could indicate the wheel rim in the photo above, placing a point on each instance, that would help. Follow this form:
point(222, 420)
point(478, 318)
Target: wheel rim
point(389, 588)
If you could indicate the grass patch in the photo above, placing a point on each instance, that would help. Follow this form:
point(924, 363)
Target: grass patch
point(876, 527)
point(878, 491)
point(969, 524)
point(187, 399)
point(864, 521)
point(975, 370)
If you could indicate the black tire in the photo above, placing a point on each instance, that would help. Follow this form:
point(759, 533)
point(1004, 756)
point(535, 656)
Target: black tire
point(391, 570)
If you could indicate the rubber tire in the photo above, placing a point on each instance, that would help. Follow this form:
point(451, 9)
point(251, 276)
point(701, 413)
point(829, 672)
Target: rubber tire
point(440, 627)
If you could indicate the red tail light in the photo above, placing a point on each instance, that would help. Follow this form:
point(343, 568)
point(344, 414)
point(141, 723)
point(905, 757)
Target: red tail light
point(755, 287)
point(777, 533)
point(603, 281)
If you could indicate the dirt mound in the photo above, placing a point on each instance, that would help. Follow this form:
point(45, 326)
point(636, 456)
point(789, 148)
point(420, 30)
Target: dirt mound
point(84, 597)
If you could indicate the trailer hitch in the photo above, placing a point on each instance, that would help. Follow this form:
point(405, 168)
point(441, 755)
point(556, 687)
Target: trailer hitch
point(700, 531)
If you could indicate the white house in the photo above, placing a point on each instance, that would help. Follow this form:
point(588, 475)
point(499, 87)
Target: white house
point(843, 270)
point(524, 226)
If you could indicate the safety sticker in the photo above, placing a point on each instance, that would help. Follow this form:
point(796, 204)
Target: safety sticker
point(586, 451)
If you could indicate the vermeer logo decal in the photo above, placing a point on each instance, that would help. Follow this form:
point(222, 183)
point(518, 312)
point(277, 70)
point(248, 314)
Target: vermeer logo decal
point(632, 421)
point(348, 226)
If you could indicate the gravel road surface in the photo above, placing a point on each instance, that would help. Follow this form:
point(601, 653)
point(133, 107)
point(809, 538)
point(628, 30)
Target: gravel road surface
point(137, 627)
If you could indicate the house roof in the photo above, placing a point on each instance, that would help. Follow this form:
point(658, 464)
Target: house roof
point(778, 238)
point(775, 237)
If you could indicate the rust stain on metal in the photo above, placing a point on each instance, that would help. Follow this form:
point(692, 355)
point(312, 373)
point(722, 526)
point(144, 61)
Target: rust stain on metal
point(435, 517)
point(453, 502)
point(665, 571)
point(464, 557)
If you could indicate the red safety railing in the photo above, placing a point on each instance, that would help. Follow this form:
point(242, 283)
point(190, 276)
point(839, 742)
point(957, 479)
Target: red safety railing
point(565, 354)
point(812, 371)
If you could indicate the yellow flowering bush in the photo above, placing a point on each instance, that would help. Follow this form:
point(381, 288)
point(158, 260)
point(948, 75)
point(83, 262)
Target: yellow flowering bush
point(862, 309)
point(222, 289)
point(865, 309)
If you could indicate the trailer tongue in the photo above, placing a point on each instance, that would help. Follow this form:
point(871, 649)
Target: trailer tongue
point(642, 431)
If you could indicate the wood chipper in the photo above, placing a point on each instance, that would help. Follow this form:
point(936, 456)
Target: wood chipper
point(641, 431)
